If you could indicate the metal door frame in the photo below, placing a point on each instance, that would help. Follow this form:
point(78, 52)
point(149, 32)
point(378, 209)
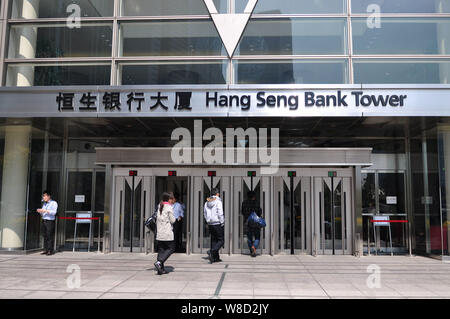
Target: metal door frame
point(347, 209)
point(117, 218)
point(236, 232)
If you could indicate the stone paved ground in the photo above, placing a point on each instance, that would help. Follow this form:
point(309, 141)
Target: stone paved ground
point(120, 275)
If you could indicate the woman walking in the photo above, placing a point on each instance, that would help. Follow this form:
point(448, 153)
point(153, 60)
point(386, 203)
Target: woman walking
point(164, 232)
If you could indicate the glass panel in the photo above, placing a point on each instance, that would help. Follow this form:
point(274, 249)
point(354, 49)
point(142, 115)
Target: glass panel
point(60, 74)
point(391, 193)
point(294, 37)
point(42, 176)
point(99, 191)
point(79, 183)
point(33, 223)
point(403, 6)
point(59, 41)
point(338, 218)
point(443, 144)
point(161, 73)
point(402, 71)
point(327, 219)
point(295, 7)
point(287, 216)
point(136, 216)
point(402, 36)
point(368, 205)
point(61, 8)
point(171, 38)
point(169, 7)
point(291, 72)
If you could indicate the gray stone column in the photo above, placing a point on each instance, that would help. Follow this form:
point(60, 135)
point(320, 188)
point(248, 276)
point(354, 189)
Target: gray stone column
point(17, 142)
point(25, 41)
point(14, 186)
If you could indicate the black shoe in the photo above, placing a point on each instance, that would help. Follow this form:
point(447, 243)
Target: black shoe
point(49, 253)
point(218, 260)
point(44, 252)
point(210, 257)
point(159, 268)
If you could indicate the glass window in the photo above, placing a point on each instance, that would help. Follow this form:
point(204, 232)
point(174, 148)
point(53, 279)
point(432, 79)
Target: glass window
point(294, 37)
point(79, 183)
point(170, 38)
point(401, 71)
point(59, 41)
point(58, 74)
point(403, 6)
point(391, 193)
point(169, 7)
point(291, 72)
point(61, 8)
point(99, 191)
point(295, 7)
point(402, 36)
point(183, 72)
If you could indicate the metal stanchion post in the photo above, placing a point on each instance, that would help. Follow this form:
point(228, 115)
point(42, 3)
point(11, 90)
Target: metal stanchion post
point(98, 241)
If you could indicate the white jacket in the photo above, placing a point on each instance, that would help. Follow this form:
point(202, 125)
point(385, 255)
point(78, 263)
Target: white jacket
point(213, 211)
point(164, 221)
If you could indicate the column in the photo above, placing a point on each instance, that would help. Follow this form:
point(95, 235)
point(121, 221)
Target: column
point(14, 186)
point(17, 143)
point(26, 43)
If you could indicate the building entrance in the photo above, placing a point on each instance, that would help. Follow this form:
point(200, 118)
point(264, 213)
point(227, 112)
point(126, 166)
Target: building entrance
point(307, 210)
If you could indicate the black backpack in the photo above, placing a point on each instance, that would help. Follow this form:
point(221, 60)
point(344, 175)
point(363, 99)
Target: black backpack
point(150, 223)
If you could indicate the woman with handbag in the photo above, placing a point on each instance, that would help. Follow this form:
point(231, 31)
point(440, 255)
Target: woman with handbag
point(164, 232)
point(249, 206)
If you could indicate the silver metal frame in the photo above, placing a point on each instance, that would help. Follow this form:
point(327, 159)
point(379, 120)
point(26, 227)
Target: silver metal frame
point(407, 204)
point(231, 179)
point(114, 60)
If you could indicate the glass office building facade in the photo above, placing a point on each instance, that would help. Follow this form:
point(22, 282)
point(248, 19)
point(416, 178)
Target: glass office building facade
point(52, 49)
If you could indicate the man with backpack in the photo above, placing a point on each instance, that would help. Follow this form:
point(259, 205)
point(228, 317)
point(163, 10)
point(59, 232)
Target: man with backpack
point(249, 206)
point(213, 212)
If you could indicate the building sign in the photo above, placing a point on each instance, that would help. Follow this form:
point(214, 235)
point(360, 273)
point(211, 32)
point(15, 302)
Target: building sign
point(119, 102)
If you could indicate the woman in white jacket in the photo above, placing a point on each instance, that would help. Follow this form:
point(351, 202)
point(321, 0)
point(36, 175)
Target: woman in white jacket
point(164, 232)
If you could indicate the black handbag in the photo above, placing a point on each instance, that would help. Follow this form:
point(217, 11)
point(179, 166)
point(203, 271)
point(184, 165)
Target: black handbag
point(150, 223)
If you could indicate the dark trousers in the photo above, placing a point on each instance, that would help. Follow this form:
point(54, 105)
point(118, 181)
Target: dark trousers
point(178, 233)
point(217, 239)
point(165, 249)
point(48, 230)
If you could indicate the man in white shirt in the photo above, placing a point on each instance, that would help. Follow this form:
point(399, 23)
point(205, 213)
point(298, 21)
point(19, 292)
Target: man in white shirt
point(48, 213)
point(178, 212)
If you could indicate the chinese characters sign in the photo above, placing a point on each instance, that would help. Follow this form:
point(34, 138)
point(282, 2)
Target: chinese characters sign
point(351, 101)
